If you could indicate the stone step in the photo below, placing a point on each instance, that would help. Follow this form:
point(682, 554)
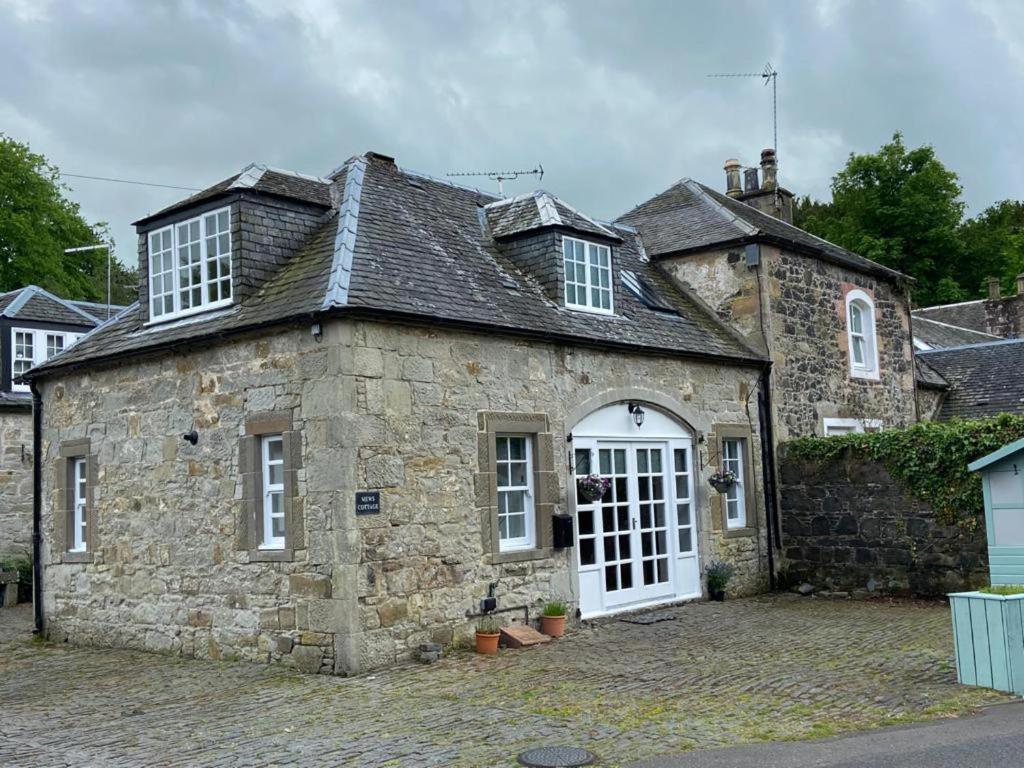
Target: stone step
point(522, 636)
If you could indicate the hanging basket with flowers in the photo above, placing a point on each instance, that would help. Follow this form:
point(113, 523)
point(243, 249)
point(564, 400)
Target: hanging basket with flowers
point(592, 487)
point(723, 481)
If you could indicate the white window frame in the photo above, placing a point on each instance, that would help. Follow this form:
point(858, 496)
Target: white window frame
point(868, 368)
point(529, 539)
point(835, 426)
point(736, 496)
point(40, 349)
point(269, 541)
point(80, 496)
point(590, 252)
point(207, 259)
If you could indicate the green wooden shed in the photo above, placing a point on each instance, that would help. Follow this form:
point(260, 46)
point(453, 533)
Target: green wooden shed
point(1002, 478)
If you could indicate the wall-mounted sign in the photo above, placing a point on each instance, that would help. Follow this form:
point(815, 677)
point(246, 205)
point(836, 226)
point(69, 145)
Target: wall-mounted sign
point(367, 502)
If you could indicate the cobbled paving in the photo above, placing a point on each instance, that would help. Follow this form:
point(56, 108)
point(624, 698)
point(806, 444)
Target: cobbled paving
point(768, 668)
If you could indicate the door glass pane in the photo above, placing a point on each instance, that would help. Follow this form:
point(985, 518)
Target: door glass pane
point(582, 462)
point(586, 521)
point(620, 462)
point(587, 554)
point(685, 540)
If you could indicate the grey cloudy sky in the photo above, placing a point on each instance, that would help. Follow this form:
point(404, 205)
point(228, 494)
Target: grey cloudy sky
point(612, 97)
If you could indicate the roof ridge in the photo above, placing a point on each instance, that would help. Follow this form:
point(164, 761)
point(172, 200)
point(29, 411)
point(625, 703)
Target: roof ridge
point(699, 189)
point(450, 183)
point(954, 304)
point(15, 306)
point(957, 327)
point(345, 238)
point(547, 210)
point(296, 174)
point(583, 215)
point(1000, 342)
point(249, 176)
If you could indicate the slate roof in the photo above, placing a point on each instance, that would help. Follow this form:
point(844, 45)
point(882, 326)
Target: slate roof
point(404, 246)
point(927, 376)
point(965, 314)
point(259, 178)
point(941, 335)
point(15, 401)
point(984, 379)
point(535, 210)
point(689, 216)
point(32, 303)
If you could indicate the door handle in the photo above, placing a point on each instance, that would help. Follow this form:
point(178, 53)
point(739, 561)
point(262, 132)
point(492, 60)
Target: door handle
point(634, 523)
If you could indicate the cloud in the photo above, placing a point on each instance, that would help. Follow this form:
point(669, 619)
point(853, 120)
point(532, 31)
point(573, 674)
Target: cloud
point(613, 98)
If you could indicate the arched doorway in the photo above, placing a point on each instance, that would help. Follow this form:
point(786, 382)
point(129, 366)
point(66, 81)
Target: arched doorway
point(637, 544)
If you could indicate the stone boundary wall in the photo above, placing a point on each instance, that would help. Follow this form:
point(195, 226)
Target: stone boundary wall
point(849, 526)
point(15, 483)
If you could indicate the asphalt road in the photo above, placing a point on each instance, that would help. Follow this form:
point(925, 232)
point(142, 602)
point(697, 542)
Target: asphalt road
point(993, 738)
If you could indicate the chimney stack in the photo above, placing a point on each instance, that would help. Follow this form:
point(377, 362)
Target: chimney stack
point(993, 289)
point(769, 169)
point(750, 183)
point(732, 178)
point(1020, 284)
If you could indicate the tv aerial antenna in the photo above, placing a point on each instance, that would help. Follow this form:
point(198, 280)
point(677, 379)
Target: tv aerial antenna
point(502, 176)
point(767, 75)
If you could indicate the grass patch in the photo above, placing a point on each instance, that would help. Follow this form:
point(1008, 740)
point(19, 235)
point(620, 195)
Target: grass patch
point(1004, 589)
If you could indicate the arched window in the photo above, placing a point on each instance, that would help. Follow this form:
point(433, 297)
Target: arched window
point(860, 330)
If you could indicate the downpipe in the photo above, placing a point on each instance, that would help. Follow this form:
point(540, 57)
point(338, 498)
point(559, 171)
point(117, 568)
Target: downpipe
point(37, 507)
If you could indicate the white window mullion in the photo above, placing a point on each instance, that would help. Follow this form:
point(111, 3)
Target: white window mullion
point(80, 479)
point(514, 465)
point(272, 457)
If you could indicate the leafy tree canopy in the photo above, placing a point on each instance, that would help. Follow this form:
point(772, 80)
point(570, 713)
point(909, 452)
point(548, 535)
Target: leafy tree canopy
point(38, 221)
point(902, 208)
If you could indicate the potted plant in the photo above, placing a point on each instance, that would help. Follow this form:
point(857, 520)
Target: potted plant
point(719, 573)
point(552, 619)
point(724, 480)
point(592, 487)
point(488, 630)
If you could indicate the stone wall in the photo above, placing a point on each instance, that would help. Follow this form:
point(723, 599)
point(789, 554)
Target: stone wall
point(15, 482)
point(848, 526)
point(378, 406)
point(805, 324)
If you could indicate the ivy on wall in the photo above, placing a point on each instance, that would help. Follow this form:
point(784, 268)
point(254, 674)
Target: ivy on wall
point(929, 459)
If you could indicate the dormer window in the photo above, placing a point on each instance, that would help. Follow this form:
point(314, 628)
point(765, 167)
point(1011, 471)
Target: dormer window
point(190, 266)
point(588, 275)
point(863, 341)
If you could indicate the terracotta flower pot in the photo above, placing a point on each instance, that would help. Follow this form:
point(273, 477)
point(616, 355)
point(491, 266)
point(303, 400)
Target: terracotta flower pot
point(552, 626)
point(487, 643)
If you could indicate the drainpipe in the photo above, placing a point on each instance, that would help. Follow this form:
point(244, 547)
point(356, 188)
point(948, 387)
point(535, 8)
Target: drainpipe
point(37, 507)
point(764, 414)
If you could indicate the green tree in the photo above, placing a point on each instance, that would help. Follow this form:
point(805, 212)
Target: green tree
point(902, 208)
point(994, 243)
point(38, 221)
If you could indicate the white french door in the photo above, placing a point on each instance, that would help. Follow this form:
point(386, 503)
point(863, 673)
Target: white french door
point(637, 544)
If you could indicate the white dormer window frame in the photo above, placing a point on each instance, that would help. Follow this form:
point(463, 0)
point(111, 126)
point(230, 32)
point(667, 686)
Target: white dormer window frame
point(588, 275)
point(34, 346)
point(190, 266)
point(861, 335)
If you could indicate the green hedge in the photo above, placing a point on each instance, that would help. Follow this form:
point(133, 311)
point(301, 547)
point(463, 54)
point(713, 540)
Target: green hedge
point(929, 459)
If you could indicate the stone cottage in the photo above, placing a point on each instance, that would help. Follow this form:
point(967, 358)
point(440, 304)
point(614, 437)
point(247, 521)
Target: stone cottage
point(348, 409)
point(35, 325)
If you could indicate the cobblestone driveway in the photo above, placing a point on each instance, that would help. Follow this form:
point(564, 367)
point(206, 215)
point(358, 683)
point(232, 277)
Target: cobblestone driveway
point(746, 670)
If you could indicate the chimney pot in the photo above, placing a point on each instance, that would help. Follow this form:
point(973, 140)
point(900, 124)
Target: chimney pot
point(993, 288)
point(750, 183)
point(769, 169)
point(732, 178)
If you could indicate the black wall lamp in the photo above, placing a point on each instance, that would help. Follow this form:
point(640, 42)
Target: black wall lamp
point(638, 413)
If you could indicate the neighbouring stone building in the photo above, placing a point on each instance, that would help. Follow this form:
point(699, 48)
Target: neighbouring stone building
point(348, 409)
point(835, 325)
point(34, 326)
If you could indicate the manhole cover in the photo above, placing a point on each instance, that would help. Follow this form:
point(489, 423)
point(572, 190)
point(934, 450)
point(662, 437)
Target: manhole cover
point(556, 757)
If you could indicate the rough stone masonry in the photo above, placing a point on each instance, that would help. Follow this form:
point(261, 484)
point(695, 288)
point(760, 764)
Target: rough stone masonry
point(375, 406)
